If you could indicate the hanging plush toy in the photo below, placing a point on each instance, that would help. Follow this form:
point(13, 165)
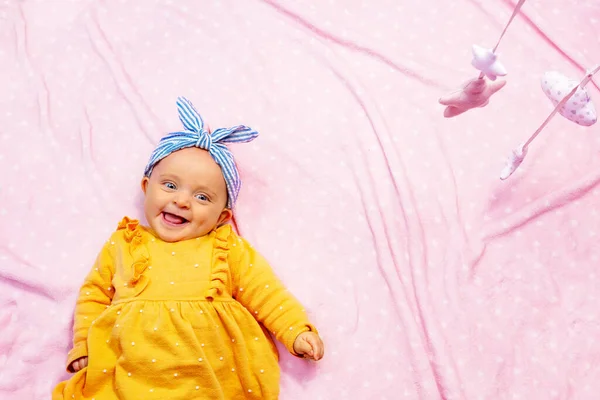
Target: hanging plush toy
point(477, 92)
point(569, 97)
point(474, 93)
point(580, 109)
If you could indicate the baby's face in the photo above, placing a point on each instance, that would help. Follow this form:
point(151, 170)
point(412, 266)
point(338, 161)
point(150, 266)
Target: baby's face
point(186, 195)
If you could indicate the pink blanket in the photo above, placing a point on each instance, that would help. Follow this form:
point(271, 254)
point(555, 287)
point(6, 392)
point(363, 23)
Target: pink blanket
point(428, 277)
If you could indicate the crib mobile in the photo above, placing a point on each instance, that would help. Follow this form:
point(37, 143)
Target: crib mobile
point(570, 98)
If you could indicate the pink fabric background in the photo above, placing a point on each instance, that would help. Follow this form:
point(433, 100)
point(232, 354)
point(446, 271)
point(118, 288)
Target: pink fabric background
point(428, 277)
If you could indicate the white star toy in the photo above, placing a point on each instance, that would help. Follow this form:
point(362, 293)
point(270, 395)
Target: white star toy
point(487, 62)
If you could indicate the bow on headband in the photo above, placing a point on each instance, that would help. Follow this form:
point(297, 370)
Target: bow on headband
point(195, 135)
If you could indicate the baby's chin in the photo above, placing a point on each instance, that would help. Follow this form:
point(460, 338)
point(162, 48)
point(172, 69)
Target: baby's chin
point(172, 237)
point(175, 235)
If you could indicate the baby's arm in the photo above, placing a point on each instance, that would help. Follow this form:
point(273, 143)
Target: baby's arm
point(258, 289)
point(94, 296)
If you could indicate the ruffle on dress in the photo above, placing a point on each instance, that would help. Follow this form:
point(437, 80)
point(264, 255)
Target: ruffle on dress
point(220, 266)
point(138, 251)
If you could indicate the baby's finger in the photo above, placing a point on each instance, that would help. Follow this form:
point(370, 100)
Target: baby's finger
point(79, 364)
point(317, 352)
point(321, 350)
point(303, 347)
point(310, 352)
point(317, 346)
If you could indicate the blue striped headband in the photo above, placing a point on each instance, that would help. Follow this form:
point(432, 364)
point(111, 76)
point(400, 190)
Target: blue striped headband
point(195, 135)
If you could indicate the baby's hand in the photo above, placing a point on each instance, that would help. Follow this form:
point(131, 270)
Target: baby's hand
point(309, 345)
point(79, 364)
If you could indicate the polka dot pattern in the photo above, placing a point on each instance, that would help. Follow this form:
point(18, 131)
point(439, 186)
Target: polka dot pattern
point(427, 276)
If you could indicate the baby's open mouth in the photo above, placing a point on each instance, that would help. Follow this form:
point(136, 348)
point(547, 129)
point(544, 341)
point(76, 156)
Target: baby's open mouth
point(173, 219)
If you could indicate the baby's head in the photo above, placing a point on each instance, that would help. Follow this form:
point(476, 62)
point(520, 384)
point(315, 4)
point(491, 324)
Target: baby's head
point(186, 195)
point(191, 182)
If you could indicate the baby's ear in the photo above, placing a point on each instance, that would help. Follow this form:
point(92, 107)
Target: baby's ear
point(144, 184)
point(225, 216)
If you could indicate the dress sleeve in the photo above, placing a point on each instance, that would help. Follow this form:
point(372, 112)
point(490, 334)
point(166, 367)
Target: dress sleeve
point(258, 289)
point(94, 297)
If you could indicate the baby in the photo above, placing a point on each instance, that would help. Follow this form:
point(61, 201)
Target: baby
point(182, 309)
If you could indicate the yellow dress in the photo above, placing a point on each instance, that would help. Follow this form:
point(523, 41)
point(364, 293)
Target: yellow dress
point(178, 320)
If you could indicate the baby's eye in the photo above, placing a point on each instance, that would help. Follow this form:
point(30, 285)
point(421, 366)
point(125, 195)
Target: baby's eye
point(170, 185)
point(202, 197)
